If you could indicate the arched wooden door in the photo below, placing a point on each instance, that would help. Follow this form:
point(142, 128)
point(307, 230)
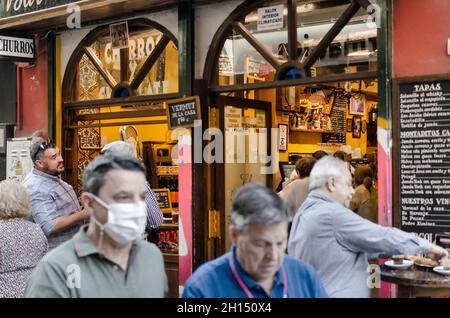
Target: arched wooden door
point(106, 88)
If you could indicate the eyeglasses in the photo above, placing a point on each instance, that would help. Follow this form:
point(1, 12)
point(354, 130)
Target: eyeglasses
point(43, 146)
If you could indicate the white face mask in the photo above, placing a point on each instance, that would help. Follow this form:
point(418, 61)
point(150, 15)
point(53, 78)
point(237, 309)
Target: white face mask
point(126, 221)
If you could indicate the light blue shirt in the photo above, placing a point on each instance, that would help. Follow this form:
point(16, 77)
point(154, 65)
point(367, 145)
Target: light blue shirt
point(336, 242)
point(51, 198)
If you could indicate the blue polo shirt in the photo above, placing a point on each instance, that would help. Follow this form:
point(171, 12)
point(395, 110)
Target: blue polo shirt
point(215, 279)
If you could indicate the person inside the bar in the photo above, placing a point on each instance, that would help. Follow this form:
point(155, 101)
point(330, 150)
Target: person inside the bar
point(336, 241)
point(296, 192)
point(256, 266)
point(365, 200)
point(108, 257)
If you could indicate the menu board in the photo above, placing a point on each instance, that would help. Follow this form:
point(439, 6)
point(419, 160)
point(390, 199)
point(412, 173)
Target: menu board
point(163, 198)
point(183, 112)
point(424, 144)
point(338, 121)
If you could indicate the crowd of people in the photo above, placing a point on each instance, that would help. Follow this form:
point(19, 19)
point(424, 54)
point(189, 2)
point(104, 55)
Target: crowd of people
point(312, 240)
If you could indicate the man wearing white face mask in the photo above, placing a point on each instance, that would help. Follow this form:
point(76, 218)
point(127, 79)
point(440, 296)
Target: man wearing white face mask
point(108, 258)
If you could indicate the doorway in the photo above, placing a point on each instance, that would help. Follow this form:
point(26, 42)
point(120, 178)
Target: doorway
point(246, 126)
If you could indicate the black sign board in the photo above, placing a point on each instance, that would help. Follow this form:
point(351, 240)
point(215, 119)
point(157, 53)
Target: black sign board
point(183, 112)
point(163, 198)
point(10, 8)
point(338, 121)
point(424, 157)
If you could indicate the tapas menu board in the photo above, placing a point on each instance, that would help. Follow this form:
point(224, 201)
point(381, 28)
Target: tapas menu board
point(424, 146)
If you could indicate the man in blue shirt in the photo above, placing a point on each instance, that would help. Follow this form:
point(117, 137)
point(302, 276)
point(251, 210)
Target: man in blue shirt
point(256, 266)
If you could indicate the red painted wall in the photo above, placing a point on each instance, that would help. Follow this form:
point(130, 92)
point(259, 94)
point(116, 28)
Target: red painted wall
point(32, 93)
point(420, 33)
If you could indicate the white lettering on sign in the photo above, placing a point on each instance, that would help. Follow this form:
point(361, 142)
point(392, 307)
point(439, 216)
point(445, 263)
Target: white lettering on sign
point(270, 18)
point(427, 87)
point(139, 48)
point(181, 111)
point(16, 47)
point(21, 4)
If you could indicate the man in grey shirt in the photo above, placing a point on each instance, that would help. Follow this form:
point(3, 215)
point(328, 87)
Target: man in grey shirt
point(54, 204)
point(336, 241)
point(108, 258)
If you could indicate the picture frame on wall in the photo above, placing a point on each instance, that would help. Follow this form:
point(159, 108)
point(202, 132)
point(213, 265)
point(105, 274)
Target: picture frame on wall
point(349, 125)
point(356, 127)
point(364, 127)
point(119, 35)
point(357, 105)
point(328, 107)
point(283, 134)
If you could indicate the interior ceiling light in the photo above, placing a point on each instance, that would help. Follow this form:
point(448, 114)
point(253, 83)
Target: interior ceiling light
point(359, 53)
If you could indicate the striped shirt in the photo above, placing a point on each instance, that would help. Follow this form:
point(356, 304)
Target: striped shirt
point(51, 198)
point(154, 214)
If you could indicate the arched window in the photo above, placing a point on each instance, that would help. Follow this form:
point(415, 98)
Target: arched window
point(268, 41)
point(106, 88)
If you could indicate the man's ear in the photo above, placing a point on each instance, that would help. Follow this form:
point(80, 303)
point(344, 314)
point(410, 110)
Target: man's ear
point(331, 184)
point(39, 164)
point(87, 201)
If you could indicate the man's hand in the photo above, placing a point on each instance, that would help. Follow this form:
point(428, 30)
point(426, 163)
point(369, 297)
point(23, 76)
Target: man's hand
point(437, 252)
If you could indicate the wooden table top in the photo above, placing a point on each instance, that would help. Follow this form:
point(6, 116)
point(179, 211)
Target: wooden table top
point(415, 276)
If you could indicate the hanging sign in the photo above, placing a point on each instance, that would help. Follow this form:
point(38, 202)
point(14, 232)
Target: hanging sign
point(225, 65)
point(270, 18)
point(119, 35)
point(183, 112)
point(18, 48)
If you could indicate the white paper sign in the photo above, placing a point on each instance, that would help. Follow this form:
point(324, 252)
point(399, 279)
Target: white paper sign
point(270, 18)
point(233, 117)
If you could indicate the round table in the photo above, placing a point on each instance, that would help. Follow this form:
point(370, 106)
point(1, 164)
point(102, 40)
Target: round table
point(417, 281)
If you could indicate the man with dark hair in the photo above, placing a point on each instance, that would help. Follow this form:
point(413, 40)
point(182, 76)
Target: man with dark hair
point(154, 213)
point(256, 266)
point(108, 257)
point(297, 191)
point(319, 154)
point(55, 206)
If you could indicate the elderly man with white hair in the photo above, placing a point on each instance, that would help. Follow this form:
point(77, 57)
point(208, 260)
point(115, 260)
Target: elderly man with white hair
point(336, 241)
point(154, 214)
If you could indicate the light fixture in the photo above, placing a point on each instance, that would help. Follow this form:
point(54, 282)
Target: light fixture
point(359, 53)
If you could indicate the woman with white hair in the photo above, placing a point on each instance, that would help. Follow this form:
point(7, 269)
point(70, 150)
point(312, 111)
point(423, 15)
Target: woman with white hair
point(22, 243)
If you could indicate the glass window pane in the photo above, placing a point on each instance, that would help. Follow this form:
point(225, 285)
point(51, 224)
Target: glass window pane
point(239, 61)
point(353, 50)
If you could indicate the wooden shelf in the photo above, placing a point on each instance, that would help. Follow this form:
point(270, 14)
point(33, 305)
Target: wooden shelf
point(313, 130)
point(168, 226)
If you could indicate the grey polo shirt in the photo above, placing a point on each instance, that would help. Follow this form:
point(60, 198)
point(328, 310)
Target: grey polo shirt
point(75, 269)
